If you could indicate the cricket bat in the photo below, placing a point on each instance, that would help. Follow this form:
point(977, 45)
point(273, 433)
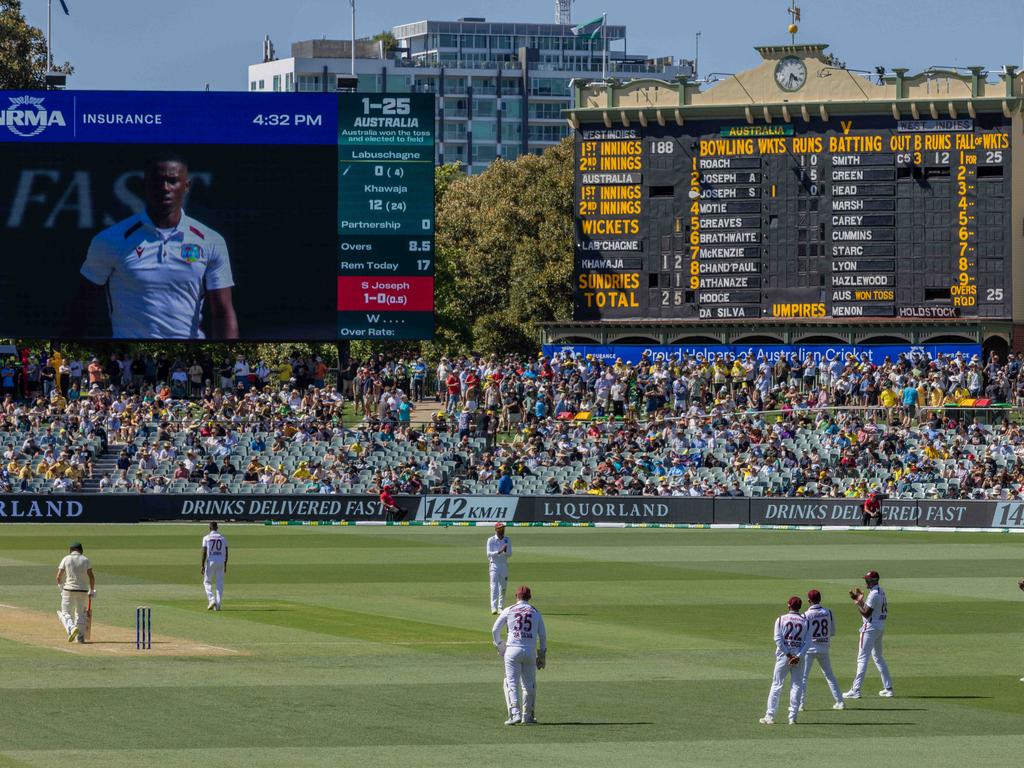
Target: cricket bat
point(88, 620)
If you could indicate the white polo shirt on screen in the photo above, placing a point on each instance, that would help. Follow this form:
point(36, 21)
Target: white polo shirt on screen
point(157, 279)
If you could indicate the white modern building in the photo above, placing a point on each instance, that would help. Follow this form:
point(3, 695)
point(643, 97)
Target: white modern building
point(501, 86)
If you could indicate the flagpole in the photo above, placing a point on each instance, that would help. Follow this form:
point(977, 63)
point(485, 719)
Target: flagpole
point(49, 23)
point(354, 38)
point(604, 34)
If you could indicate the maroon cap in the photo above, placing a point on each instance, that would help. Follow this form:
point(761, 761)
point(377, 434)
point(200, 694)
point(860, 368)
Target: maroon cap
point(814, 596)
point(795, 603)
point(871, 576)
point(523, 593)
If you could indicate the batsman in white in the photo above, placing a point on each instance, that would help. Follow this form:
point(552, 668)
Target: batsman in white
point(874, 609)
point(214, 565)
point(499, 550)
point(822, 626)
point(524, 651)
point(792, 636)
point(77, 583)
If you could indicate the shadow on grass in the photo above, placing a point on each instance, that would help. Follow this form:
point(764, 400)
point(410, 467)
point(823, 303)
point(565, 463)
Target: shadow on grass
point(573, 722)
point(945, 697)
point(863, 724)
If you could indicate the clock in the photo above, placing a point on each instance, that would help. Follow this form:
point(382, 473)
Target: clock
point(790, 73)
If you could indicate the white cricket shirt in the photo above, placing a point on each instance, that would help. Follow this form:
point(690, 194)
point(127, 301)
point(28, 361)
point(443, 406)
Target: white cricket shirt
point(157, 281)
point(216, 547)
point(821, 625)
point(791, 634)
point(494, 554)
point(876, 601)
point(76, 572)
point(524, 625)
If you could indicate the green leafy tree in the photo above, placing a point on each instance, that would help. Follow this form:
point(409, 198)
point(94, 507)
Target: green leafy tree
point(390, 43)
point(508, 236)
point(22, 51)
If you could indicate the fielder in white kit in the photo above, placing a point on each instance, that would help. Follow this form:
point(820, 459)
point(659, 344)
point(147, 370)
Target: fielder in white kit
point(792, 637)
point(77, 584)
point(214, 566)
point(874, 609)
point(822, 626)
point(524, 651)
point(499, 550)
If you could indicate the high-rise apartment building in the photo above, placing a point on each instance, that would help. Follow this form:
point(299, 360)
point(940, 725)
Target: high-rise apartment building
point(501, 86)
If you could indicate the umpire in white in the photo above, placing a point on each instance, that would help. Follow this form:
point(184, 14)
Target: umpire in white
point(77, 583)
point(524, 651)
point(499, 550)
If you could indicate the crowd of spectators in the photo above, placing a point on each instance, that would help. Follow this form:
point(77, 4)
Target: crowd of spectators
point(905, 427)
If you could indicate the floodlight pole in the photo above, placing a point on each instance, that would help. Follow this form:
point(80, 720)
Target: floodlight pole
point(49, 26)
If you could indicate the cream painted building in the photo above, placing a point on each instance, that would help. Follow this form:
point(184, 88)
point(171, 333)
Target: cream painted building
point(796, 92)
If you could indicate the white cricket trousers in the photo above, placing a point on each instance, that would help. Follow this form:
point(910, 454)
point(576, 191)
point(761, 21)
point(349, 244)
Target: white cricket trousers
point(499, 580)
point(796, 686)
point(821, 656)
point(871, 645)
point(214, 577)
point(72, 606)
point(520, 672)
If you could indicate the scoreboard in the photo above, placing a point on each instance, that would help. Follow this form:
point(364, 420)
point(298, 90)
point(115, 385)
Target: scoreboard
point(859, 217)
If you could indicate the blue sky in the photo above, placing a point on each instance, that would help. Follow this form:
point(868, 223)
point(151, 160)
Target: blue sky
point(186, 44)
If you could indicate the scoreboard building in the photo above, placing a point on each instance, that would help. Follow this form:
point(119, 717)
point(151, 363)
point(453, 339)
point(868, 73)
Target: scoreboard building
point(797, 203)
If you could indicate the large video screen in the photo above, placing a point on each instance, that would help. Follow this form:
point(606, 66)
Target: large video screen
point(286, 216)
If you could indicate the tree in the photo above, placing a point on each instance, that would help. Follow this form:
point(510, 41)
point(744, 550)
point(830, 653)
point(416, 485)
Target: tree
point(508, 236)
point(390, 43)
point(22, 51)
point(503, 256)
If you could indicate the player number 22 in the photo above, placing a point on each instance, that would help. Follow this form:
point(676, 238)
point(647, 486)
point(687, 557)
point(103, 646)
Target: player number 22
point(794, 633)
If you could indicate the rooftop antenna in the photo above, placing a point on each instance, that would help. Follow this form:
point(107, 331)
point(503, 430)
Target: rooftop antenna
point(794, 15)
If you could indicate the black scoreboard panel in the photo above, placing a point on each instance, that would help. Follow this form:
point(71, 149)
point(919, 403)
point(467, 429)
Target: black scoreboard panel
point(854, 217)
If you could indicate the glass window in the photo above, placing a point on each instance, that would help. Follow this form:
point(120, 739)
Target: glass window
point(276, 83)
point(369, 83)
point(512, 107)
point(485, 107)
point(448, 41)
point(455, 130)
point(289, 81)
point(252, 85)
point(398, 84)
point(485, 131)
point(484, 153)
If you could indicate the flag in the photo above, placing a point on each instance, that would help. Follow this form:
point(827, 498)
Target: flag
point(592, 29)
point(65, 7)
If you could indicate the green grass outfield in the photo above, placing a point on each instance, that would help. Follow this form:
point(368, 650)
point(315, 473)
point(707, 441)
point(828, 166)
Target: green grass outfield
point(371, 647)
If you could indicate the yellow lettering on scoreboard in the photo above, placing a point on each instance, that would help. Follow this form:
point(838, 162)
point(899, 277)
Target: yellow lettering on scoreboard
point(610, 226)
point(615, 290)
point(798, 310)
